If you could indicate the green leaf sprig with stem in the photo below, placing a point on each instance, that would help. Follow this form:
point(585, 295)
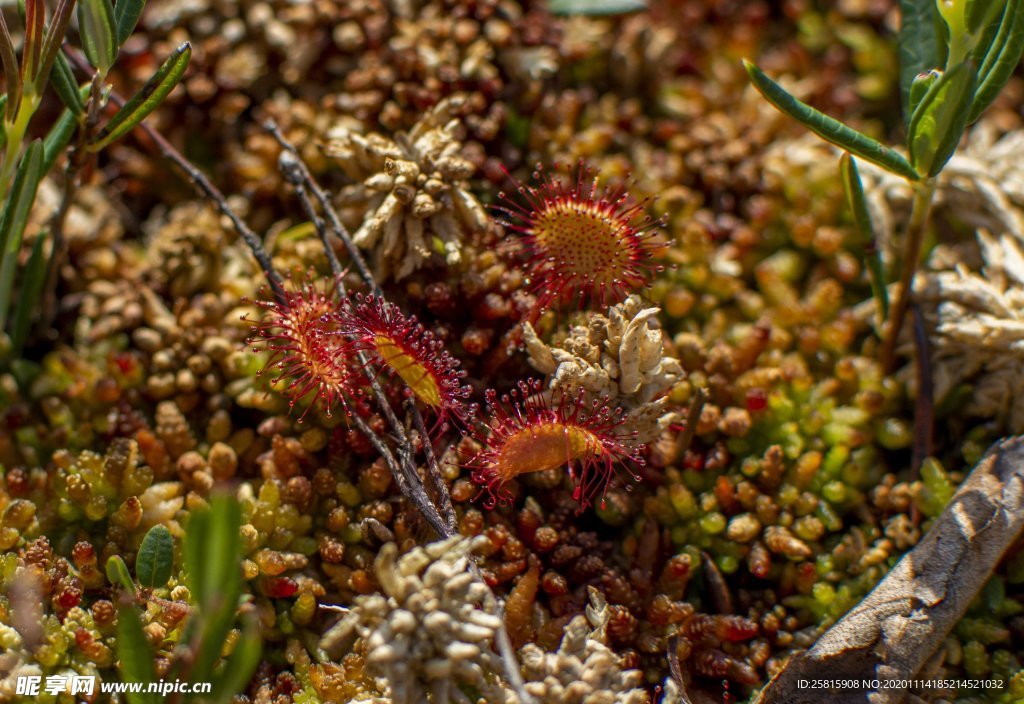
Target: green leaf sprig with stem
point(955, 58)
point(103, 27)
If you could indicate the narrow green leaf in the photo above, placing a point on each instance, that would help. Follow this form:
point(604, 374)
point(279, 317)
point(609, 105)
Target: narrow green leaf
point(155, 560)
point(938, 122)
point(32, 281)
point(134, 654)
point(920, 44)
point(866, 243)
point(63, 80)
point(51, 46)
point(58, 138)
point(9, 61)
point(982, 13)
point(595, 7)
point(3, 128)
point(829, 128)
point(241, 664)
point(15, 217)
point(147, 99)
point(126, 16)
point(35, 18)
point(213, 556)
point(920, 87)
point(99, 35)
point(1001, 59)
point(117, 573)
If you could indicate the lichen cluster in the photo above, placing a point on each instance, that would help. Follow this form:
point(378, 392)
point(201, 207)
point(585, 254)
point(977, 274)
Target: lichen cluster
point(674, 458)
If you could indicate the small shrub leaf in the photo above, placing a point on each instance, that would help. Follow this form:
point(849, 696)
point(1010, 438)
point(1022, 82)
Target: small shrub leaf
point(126, 16)
point(63, 80)
point(99, 35)
point(867, 245)
point(1001, 58)
point(155, 560)
point(149, 97)
point(938, 122)
point(134, 654)
point(15, 218)
point(830, 129)
point(117, 573)
point(595, 7)
point(9, 61)
point(921, 47)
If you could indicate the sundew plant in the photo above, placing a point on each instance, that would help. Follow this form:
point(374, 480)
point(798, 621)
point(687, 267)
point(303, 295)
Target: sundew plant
point(511, 351)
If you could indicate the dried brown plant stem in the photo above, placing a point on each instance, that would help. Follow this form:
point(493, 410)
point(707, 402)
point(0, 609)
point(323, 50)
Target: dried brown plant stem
point(700, 397)
point(916, 228)
point(924, 404)
point(894, 630)
point(434, 469)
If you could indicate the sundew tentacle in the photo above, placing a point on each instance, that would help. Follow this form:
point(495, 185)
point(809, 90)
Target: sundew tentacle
point(585, 244)
point(526, 433)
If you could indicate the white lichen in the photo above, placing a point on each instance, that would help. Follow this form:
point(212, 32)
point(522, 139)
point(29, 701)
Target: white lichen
point(977, 325)
point(414, 188)
point(584, 670)
point(621, 356)
point(431, 631)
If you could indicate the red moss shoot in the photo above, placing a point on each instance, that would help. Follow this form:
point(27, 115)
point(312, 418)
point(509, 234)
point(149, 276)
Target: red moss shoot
point(584, 243)
point(406, 348)
point(526, 433)
point(297, 333)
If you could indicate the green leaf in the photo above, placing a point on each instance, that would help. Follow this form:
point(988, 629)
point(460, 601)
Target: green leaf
point(126, 16)
point(920, 45)
point(867, 243)
point(213, 557)
point(117, 573)
point(938, 122)
point(63, 80)
point(9, 61)
point(147, 99)
point(595, 7)
point(134, 654)
point(982, 13)
point(15, 217)
point(920, 87)
point(58, 138)
point(51, 46)
point(829, 128)
point(1001, 58)
point(155, 559)
point(240, 664)
point(3, 129)
point(99, 35)
point(31, 50)
point(32, 282)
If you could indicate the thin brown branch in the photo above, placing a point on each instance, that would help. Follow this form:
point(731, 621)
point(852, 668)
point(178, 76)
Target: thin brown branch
point(916, 228)
point(337, 227)
point(433, 469)
point(924, 404)
point(700, 397)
